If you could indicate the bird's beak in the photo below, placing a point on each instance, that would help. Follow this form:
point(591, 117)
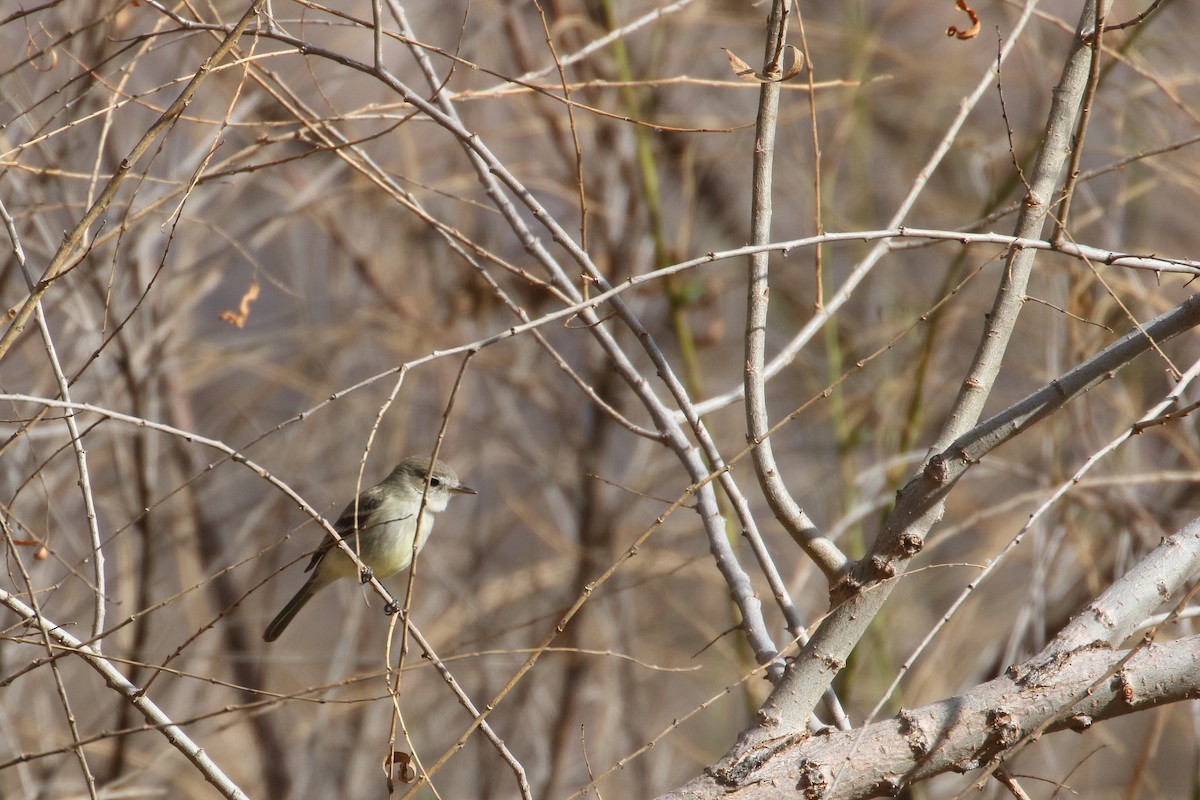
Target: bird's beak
point(460, 489)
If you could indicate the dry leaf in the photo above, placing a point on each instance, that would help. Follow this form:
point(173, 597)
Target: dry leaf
point(969, 33)
point(746, 72)
point(238, 320)
point(797, 64)
point(740, 68)
point(406, 772)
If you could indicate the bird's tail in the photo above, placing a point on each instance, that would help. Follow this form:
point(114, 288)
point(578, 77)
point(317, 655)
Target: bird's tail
point(289, 612)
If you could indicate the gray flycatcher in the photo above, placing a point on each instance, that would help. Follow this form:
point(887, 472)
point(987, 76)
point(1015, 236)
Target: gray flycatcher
point(383, 531)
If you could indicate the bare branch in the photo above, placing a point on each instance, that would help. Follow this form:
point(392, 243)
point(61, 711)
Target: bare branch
point(824, 553)
point(132, 694)
point(962, 732)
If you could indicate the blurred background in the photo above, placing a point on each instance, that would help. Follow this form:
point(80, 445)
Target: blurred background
point(306, 198)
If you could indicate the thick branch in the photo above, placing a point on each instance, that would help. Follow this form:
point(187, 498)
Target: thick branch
point(925, 492)
point(1117, 614)
point(1067, 685)
point(824, 553)
point(1010, 296)
point(957, 734)
point(919, 505)
point(795, 697)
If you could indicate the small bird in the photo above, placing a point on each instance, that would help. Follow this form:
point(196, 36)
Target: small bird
point(383, 530)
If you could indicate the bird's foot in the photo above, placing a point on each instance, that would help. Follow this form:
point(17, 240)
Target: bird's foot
point(365, 574)
point(391, 608)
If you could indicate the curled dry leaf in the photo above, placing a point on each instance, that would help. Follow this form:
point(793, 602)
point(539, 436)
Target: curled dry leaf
point(406, 772)
point(969, 33)
point(740, 68)
point(797, 64)
point(746, 72)
point(238, 319)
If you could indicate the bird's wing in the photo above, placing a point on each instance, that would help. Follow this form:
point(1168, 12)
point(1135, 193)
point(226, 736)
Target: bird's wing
point(368, 502)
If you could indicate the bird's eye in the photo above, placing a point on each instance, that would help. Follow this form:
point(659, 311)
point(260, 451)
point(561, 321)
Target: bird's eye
point(435, 481)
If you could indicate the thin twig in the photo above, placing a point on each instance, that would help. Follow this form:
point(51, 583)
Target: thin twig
point(175, 735)
point(75, 236)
